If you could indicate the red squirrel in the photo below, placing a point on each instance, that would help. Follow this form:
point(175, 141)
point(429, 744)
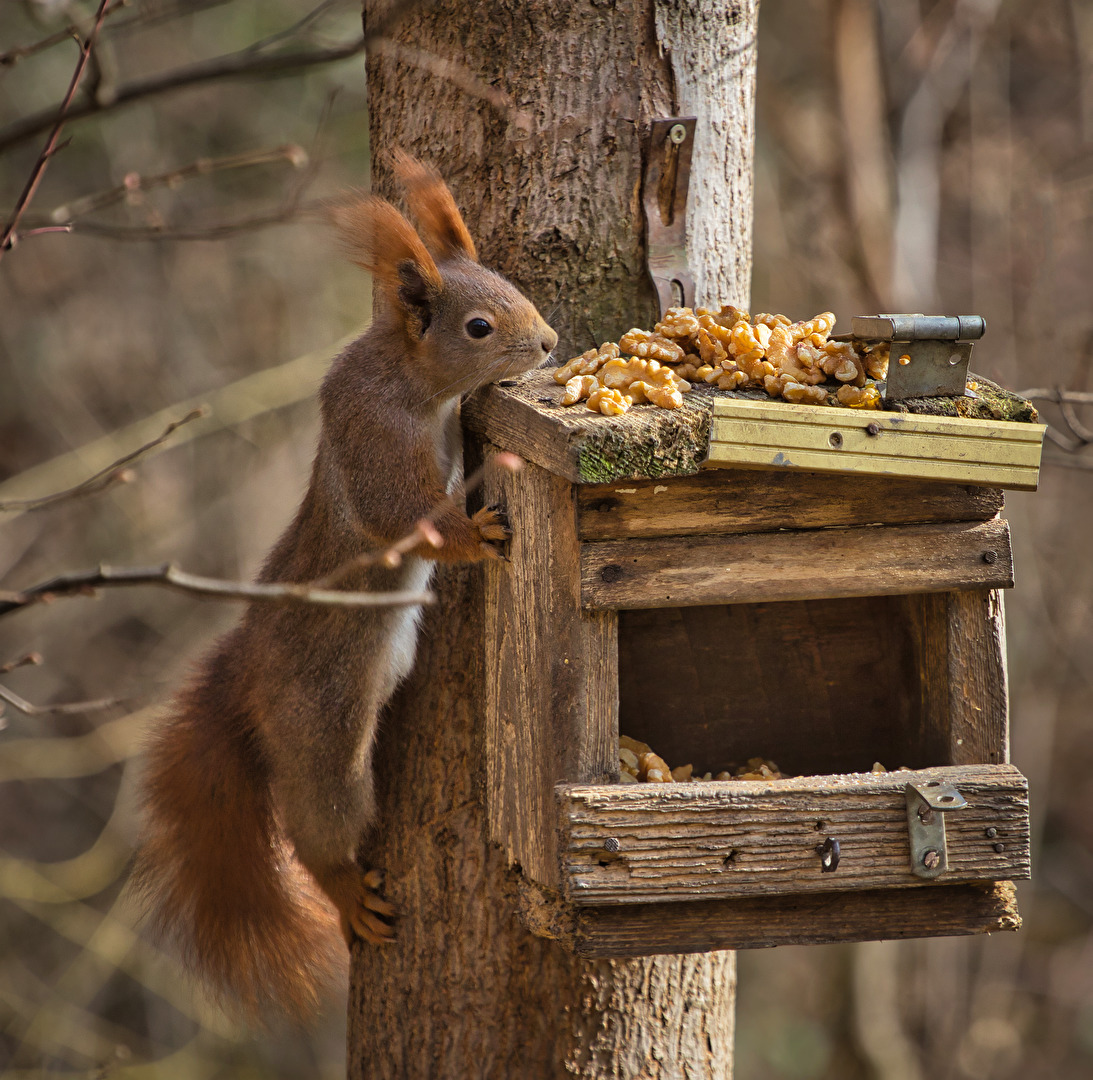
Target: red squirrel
point(258, 786)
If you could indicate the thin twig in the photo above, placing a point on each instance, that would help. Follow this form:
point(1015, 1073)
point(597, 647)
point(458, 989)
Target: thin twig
point(423, 531)
point(1080, 435)
point(150, 15)
point(292, 207)
point(313, 15)
point(67, 708)
point(242, 64)
point(114, 473)
point(21, 52)
point(1074, 397)
point(7, 239)
point(168, 575)
point(239, 65)
point(296, 155)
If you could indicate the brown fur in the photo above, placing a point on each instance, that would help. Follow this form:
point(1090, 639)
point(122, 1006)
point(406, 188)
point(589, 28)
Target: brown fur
point(259, 785)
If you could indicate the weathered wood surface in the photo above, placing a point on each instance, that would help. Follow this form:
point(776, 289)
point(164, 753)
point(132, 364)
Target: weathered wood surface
point(755, 434)
point(525, 415)
point(820, 686)
point(817, 918)
point(723, 501)
point(682, 842)
point(977, 680)
point(817, 564)
point(551, 670)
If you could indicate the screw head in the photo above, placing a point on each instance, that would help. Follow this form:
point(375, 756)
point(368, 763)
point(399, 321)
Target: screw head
point(931, 860)
point(999, 848)
point(872, 429)
point(836, 439)
point(677, 133)
point(611, 844)
point(610, 573)
point(991, 832)
point(990, 556)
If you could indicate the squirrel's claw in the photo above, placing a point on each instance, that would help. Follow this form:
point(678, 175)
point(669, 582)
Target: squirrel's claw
point(365, 913)
point(492, 524)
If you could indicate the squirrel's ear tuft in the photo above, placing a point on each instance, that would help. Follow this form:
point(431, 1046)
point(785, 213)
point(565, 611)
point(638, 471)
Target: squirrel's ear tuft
point(431, 202)
point(379, 239)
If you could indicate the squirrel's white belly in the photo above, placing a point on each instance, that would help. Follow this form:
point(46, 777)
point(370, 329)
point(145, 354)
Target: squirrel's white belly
point(402, 640)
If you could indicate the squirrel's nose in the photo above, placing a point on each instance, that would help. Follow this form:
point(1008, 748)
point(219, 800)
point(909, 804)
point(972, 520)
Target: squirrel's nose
point(549, 340)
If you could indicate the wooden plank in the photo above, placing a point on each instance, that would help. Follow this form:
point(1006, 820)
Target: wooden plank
point(925, 618)
point(719, 502)
point(551, 670)
point(762, 567)
point(526, 416)
point(977, 678)
point(819, 438)
point(681, 842)
point(803, 919)
point(820, 686)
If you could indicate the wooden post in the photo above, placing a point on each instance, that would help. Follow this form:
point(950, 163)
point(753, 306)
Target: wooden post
point(536, 113)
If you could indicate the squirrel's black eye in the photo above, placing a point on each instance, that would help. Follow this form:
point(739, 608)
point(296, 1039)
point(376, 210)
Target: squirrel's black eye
point(478, 328)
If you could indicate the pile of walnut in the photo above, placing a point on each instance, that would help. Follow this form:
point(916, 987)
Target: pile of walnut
point(639, 764)
point(728, 349)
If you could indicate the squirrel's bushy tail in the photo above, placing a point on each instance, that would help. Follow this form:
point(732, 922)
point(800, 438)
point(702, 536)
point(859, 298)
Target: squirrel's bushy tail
point(216, 876)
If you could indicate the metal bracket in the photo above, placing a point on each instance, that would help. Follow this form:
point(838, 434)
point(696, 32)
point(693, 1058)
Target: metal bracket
point(664, 196)
point(930, 353)
point(927, 805)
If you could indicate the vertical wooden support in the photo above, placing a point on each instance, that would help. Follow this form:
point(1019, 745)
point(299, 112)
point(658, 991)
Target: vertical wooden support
point(978, 683)
point(551, 670)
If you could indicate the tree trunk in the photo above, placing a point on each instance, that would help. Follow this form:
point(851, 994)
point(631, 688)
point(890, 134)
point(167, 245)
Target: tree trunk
point(536, 112)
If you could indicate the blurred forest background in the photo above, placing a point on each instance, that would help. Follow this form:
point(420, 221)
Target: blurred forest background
point(914, 155)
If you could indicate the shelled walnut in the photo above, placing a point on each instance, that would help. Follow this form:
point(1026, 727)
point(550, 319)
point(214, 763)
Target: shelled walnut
point(729, 349)
point(639, 763)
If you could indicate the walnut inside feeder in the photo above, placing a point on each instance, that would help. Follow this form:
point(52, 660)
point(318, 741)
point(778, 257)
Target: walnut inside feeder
point(727, 349)
point(639, 763)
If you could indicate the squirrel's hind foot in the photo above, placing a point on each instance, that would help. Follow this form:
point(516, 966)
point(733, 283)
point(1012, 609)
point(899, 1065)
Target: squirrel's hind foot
point(364, 913)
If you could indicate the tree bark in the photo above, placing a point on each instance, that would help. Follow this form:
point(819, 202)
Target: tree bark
point(535, 112)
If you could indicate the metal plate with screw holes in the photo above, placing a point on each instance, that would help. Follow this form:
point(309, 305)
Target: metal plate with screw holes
point(664, 195)
point(927, 805)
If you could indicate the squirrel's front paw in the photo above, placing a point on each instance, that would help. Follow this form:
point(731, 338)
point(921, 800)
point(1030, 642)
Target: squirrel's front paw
point(371, 918)
point(493, 528)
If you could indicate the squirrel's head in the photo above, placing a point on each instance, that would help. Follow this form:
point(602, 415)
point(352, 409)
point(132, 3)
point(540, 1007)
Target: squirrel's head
point(463, 325)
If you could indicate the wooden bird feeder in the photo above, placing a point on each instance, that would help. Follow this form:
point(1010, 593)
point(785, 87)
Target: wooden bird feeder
point(669, 581)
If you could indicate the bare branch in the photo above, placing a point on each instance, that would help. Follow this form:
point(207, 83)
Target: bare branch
point(67, 708)
point(1074, 397)
point(7, 239)
point(239, 65)
point(423, 531)
point(27, 659)
point(21, 52)
point(168, 575)
point(291, 207)
point(134, 183)
point(114, 473)
point(288, 211)
point(151, 14)
point(1080, 435)
point(312, 16)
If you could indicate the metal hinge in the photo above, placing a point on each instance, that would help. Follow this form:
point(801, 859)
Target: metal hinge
point(927, 805)
point(664, 195)
point(929, 353)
